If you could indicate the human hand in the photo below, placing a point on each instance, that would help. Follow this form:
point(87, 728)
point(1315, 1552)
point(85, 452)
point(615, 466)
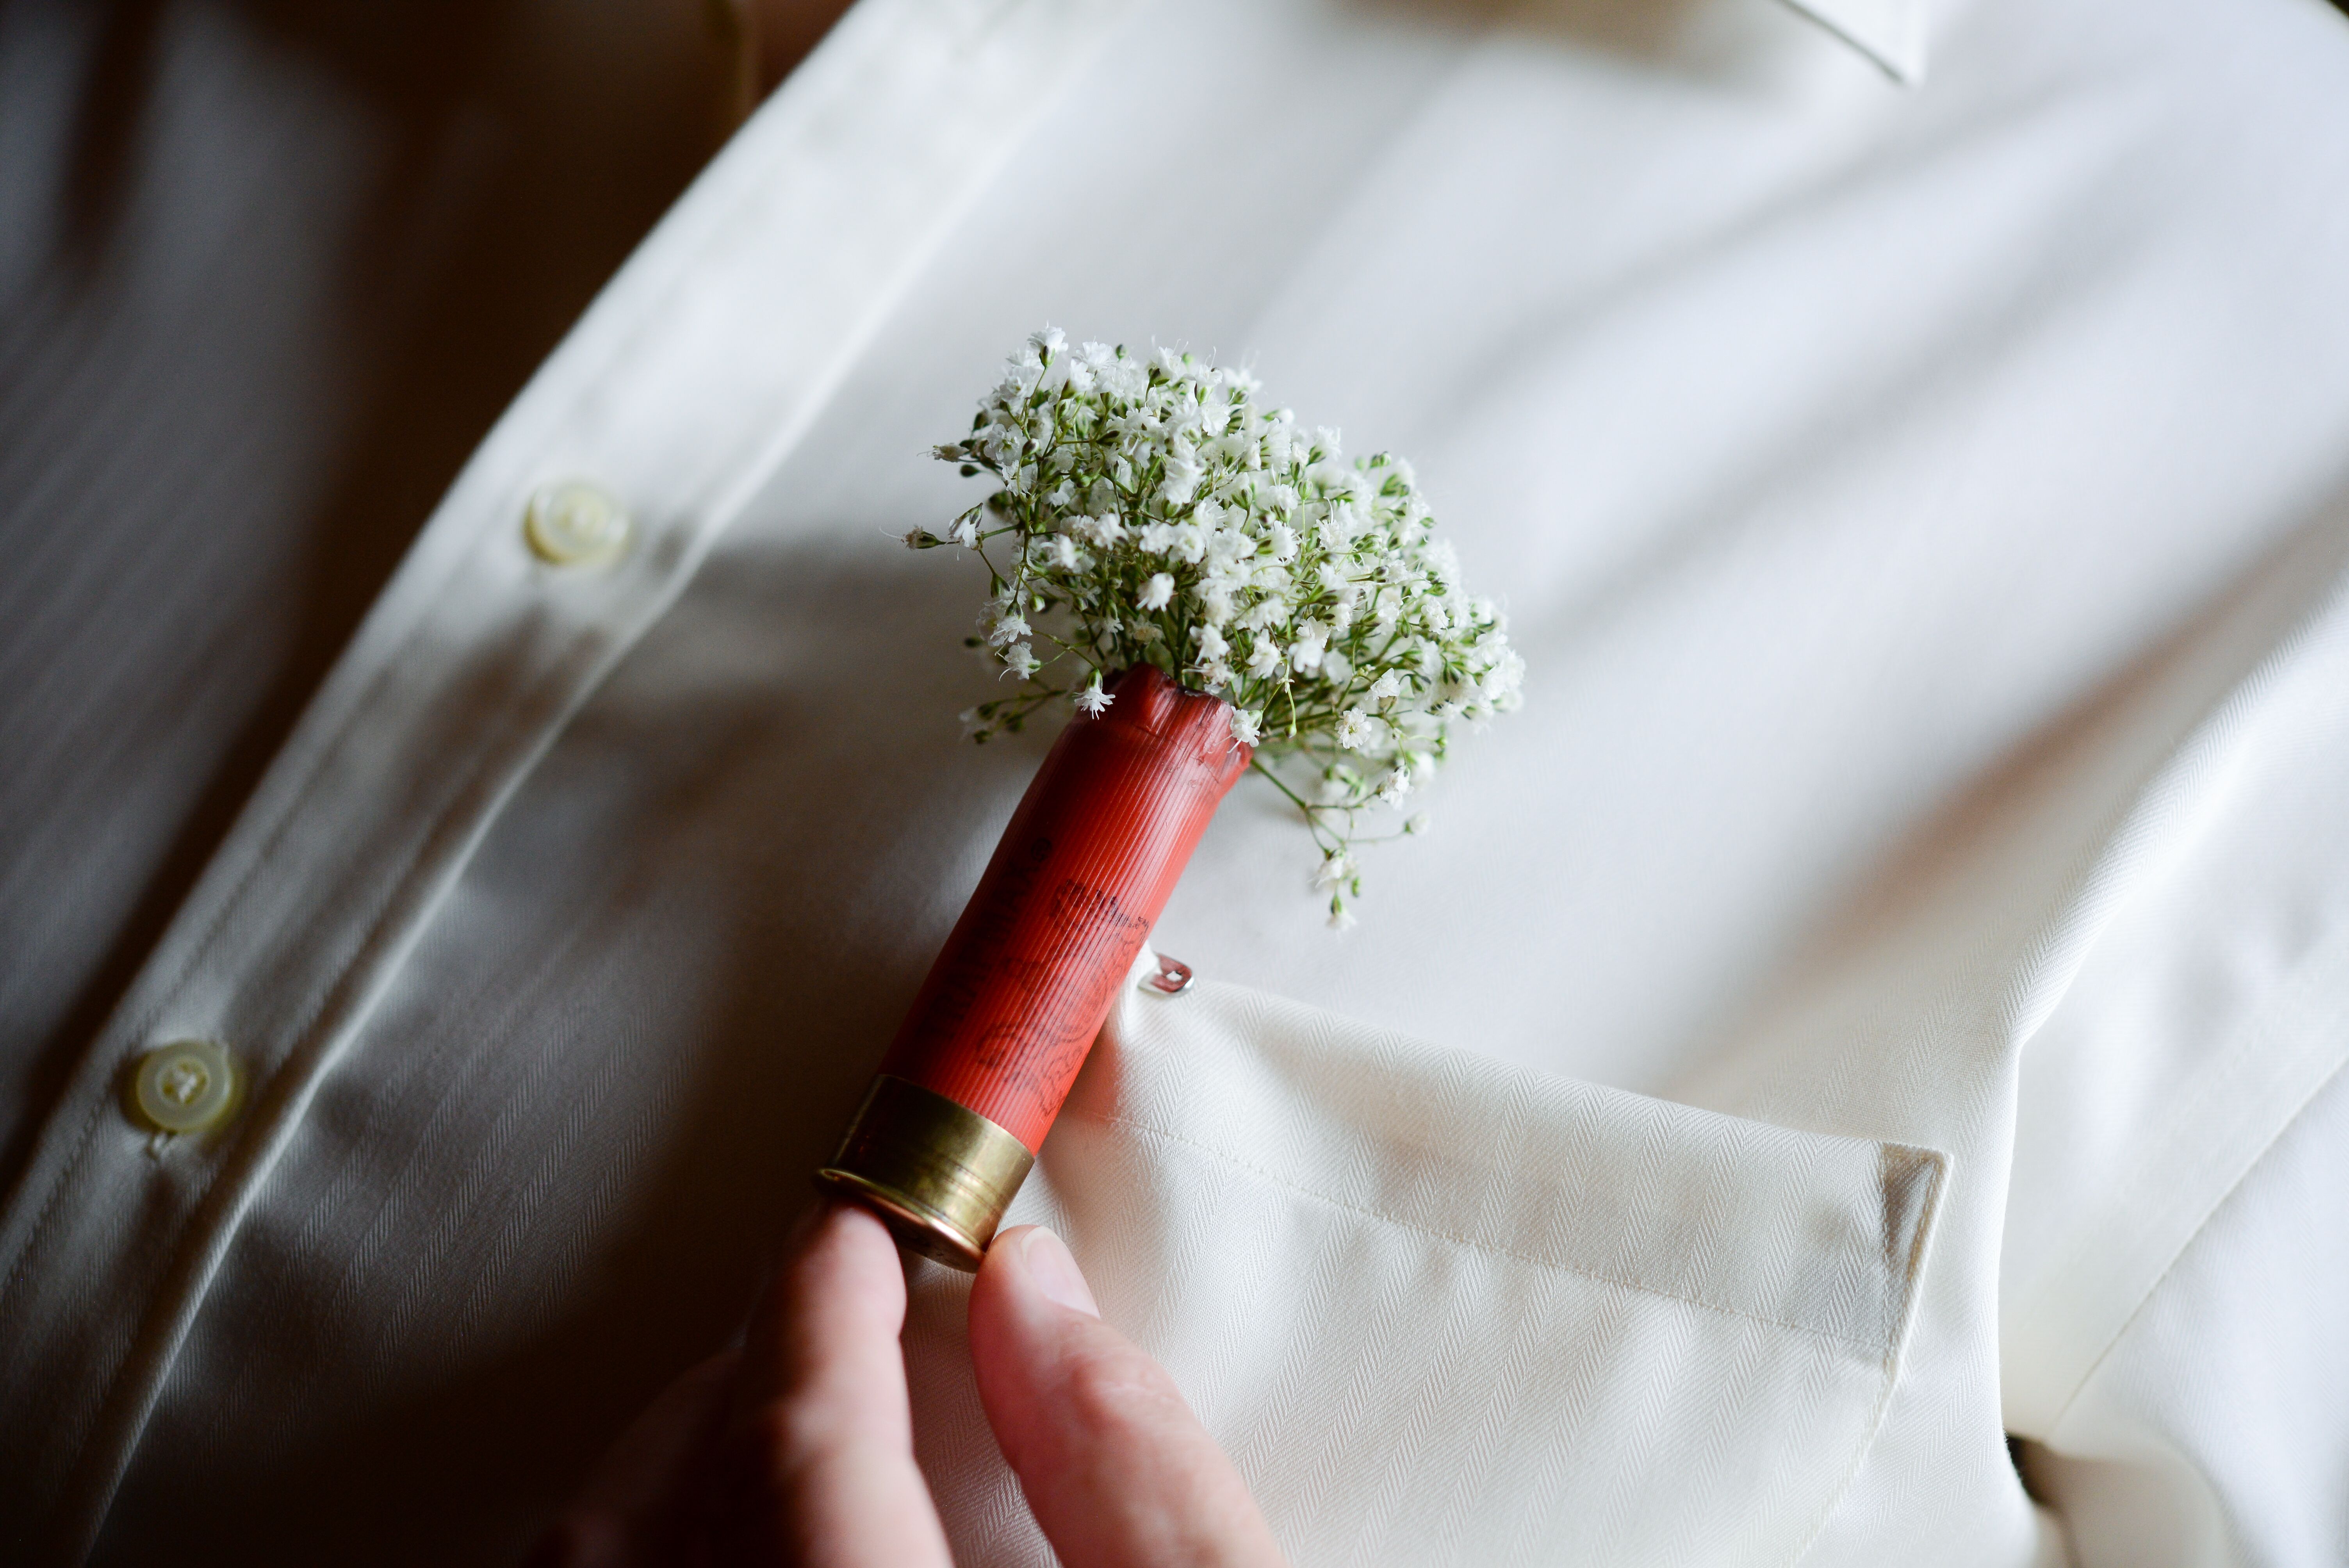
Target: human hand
point(797, 1448)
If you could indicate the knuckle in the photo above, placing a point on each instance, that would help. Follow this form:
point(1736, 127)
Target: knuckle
point(783, 1432)
point(1120, 1389)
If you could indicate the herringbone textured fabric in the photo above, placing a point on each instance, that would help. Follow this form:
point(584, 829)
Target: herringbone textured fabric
point(1445, 1311)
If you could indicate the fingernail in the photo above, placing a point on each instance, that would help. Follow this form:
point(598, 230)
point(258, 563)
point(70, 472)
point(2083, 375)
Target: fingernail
point(1056, 1272)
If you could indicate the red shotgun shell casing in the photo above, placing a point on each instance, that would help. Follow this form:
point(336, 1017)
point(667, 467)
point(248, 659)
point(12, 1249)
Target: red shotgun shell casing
point(998, 1031)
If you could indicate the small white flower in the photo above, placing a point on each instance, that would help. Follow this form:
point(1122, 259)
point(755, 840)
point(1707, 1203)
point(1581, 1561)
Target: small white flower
point(1182, 481)
point(1020, 660)
point(1157, 591)
point(1093, 701)
point(965, 532)
point(1312, 642)
point(1416, 823)
point(1009, 628)
point(1247, 725)
point(1210, 642)
point(1266, 614)
point(1360, 730)
point(1340, 917)
point(1264, 658)
point(1395, 786)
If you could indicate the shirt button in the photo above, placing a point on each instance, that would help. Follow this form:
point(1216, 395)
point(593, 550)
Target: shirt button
point(184, 1087)
point(575, 523)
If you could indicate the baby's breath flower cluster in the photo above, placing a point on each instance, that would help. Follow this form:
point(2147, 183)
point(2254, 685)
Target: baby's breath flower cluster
point(1152, 511)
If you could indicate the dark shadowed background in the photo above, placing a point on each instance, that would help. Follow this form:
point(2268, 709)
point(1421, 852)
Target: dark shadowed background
point(268, 271)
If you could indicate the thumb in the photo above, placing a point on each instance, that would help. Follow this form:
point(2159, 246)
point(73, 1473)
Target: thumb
point(1116, 1468)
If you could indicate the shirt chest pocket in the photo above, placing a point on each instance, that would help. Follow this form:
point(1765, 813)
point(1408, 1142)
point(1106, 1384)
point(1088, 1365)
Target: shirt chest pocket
point(1442, 1310)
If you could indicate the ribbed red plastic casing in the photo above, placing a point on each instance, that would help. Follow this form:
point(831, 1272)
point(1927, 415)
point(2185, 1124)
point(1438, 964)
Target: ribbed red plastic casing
point(1013, 1003)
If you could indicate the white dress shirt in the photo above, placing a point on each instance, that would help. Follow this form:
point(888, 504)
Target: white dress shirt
point(1885, 990)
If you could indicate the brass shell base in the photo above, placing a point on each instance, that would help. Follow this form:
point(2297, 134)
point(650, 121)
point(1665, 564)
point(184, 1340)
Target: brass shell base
point(939, 1174)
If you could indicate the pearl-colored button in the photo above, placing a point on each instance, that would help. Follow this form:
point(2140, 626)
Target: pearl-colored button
point(575, 523)
point(184, 1087)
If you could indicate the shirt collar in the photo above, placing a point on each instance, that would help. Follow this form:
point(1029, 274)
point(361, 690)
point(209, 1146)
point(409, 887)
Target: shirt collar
point(1890, 32)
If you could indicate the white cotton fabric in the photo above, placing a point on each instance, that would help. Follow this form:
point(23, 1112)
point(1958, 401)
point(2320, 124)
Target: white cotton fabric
point(1874, 998)
point(1585, 1321)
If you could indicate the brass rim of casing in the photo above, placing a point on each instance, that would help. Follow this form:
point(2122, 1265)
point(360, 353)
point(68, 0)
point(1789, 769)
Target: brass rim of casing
point(939, 1174)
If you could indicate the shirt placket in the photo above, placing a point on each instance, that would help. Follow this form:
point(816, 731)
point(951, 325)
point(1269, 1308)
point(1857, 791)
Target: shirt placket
point(569, 533)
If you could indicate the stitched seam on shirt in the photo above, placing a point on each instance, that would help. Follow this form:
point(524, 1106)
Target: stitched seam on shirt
point(40, 1224)
point(1890, 1374)
point(1894, 1349)
point(98, 1108)
point(201, 948)
point(2201, 1225)
point(215, 1212)
point(1876, 1346)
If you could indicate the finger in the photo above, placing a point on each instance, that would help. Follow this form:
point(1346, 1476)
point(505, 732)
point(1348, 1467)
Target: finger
point(1116, 1468)
point(632, 1507)
point(819, 1467)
